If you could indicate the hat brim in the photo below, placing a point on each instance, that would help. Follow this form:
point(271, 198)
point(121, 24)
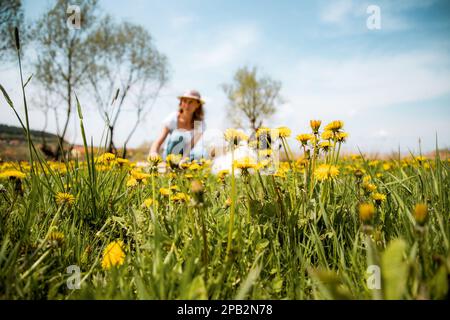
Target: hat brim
point(191, 97)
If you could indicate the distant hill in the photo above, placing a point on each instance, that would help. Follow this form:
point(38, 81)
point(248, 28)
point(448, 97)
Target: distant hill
point(17, 133)
point(14, 147)
point(13, 142)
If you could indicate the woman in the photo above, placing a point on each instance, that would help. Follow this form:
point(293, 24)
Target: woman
point(179, 126)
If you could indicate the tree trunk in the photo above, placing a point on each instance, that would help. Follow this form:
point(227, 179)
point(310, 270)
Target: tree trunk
point(111, 147)
point(69, 109)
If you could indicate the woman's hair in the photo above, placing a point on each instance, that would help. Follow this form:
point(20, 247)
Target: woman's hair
point(199, 113)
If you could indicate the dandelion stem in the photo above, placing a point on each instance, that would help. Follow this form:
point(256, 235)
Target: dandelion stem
point(233, 200)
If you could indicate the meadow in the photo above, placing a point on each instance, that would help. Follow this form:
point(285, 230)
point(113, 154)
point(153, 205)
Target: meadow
point(319, 226)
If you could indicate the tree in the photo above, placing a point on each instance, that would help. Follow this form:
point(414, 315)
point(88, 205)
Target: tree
point(251, 99)
point(128, 69)
point(11, 15)
point(63, 56)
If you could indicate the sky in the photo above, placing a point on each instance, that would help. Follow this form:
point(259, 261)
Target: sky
point(391, 86)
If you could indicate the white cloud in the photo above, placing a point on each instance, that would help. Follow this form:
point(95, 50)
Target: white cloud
point(336, 11)
point(350, 86)
point(180, 21)
point(225, 47)
point(360, 91)
point(382, 133)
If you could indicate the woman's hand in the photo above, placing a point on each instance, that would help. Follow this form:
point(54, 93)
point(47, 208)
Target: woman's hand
point(183, 161)
point(153, 154)
point(158, 142)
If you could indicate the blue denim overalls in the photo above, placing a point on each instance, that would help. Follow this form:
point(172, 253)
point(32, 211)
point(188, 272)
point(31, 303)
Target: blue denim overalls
point(179, 142)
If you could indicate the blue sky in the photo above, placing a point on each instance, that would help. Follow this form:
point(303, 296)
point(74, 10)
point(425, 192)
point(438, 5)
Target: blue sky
point(390, 86)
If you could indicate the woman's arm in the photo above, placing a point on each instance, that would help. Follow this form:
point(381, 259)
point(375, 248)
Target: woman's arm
point(154, 150)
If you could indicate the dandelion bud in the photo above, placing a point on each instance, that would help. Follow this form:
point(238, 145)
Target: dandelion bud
point(227, 203)
point(16, 37)
point(197, 190)
point(315, 125)
point(421, 213)
point(196, 186)
point(366, 212)
point(358, 173)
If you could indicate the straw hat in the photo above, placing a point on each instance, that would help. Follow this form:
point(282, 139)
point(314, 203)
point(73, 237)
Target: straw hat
point(192, 94)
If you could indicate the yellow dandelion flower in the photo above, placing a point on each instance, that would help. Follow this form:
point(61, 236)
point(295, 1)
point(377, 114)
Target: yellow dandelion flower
point(113, 255)
point(168, 191)
point(222, 174)
point(325, 145)
point(56, 238)
point(341, 136)
point(335, 126)
point(149, 202)
point(315, 125)
point(285, 166)
point(165, 191)
point(173, 160)
point(63, 198)
point(326, 172)
point(154, 160)
point(280, 174)
point(205, 162)
point(139, 176)
point(235, 136)
point(106, 158)
point(369, 187)
point(194, 166)
point(304, 138)
point(378, 197)
point(263, 164)
point(366, 211)
point(374, 163)
point(302, 163)
point(122, 162)
point(12, 174)
point(264, 131)
point(180, 197)
point(131, 182)
point(327, 135)
point(245, 163)
point(284, 132)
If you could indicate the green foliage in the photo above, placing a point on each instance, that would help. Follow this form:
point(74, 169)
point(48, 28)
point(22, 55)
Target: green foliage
point(251, 98)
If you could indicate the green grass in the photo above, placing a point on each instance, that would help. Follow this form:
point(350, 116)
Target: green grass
point(289, 236)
